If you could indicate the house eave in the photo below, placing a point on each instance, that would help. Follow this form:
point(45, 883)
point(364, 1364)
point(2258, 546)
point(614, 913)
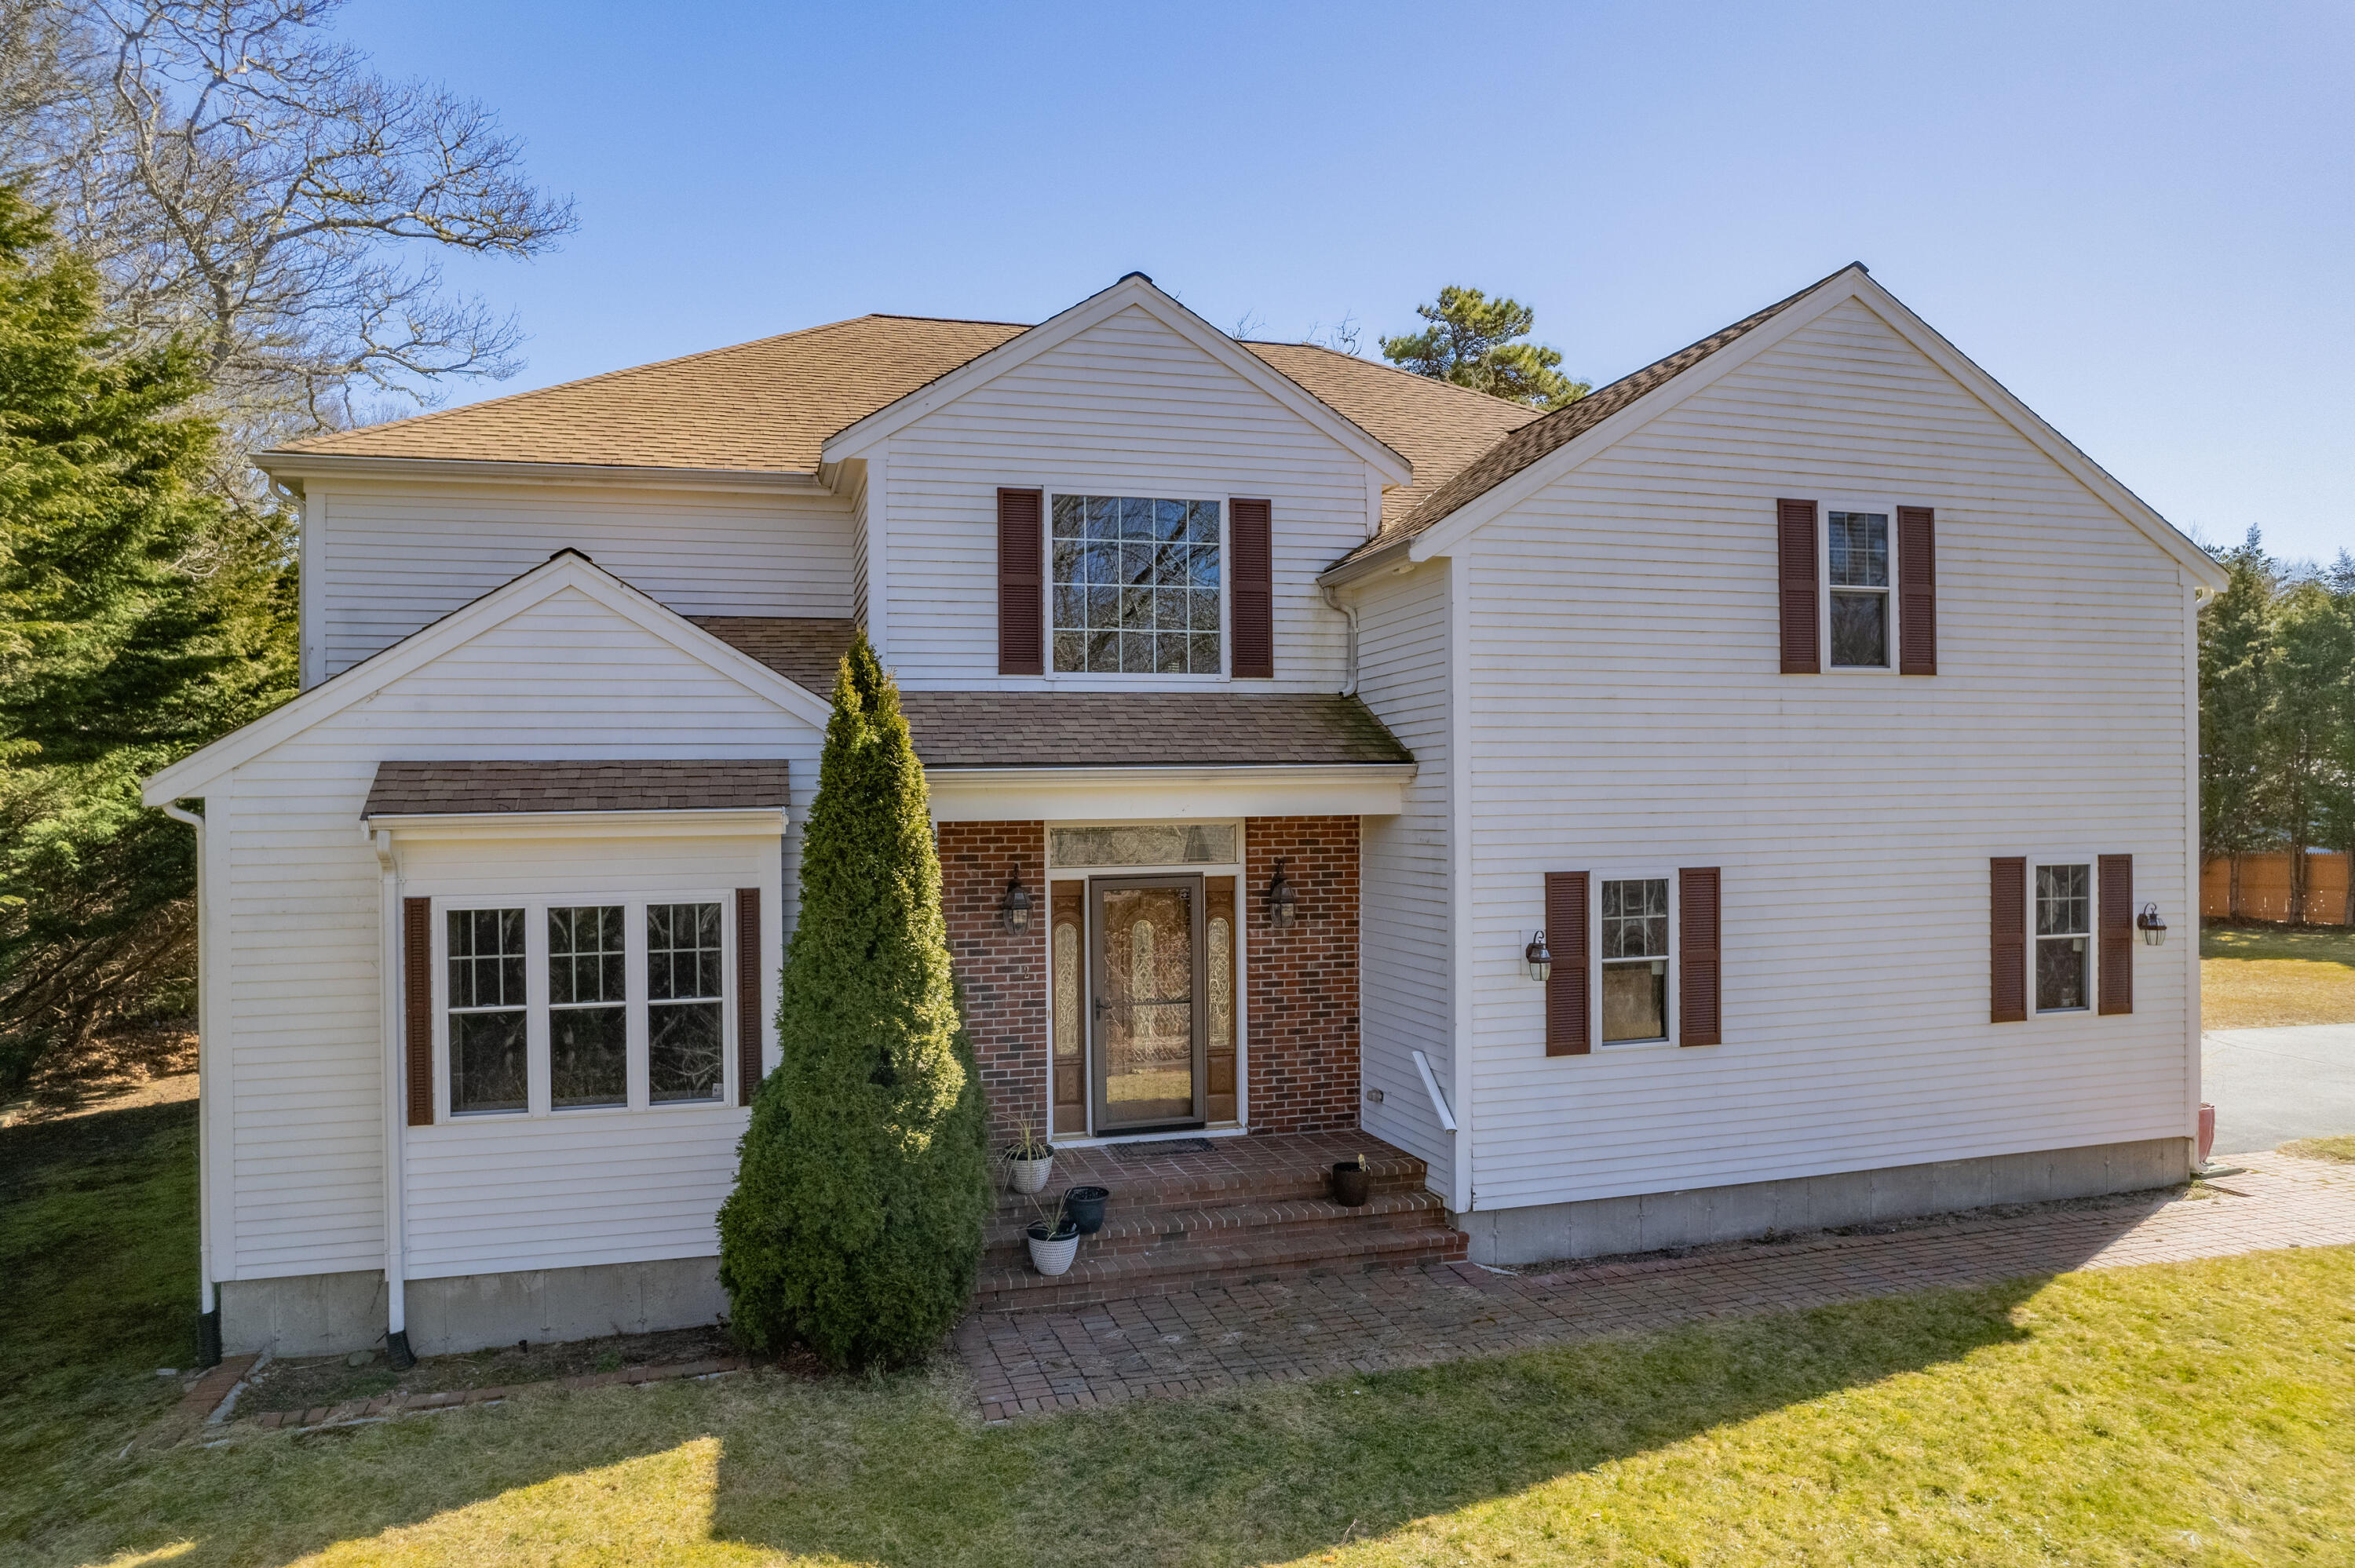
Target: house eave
point(764, 822)
point(1169, 793)
point(291, 468)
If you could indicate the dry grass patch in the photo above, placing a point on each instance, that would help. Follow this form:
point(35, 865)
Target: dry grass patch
point(2342, 1150)
point(2267, 977)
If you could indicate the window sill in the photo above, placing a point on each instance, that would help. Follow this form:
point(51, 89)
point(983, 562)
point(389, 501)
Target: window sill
point(1632, 1045)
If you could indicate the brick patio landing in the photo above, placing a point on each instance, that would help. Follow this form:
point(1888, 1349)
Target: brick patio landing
point(1246, 1209)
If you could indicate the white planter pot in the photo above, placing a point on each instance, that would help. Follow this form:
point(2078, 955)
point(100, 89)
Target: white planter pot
point(1052, 1256)
point(1029, 1175)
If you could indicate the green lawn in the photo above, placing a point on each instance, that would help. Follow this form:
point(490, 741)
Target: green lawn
point(2191, 1414)
point(2262, 977)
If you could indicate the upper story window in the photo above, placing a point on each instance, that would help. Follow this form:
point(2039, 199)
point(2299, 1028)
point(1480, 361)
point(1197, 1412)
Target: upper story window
point(1136, 586)
point(1857, 561)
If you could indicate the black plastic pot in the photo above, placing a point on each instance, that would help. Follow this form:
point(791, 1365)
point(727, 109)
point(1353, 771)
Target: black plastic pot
point(1352, 1184)
point(1086, 1207)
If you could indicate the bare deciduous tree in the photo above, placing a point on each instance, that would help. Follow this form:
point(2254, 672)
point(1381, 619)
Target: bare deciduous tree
point(244, 179)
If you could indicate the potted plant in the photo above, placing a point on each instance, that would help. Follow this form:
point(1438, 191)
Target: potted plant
point(1029, 1162)
point(1054, 1237)
point(1353, 1182)
point(1086, 1207)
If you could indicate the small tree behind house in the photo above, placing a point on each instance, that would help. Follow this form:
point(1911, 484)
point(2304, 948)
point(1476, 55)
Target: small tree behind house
point(862, 1188)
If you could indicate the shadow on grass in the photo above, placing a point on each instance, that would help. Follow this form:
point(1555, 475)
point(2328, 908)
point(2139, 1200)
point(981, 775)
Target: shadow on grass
point(890, 1470)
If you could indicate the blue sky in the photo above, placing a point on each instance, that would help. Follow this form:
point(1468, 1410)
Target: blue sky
point(2138, 218)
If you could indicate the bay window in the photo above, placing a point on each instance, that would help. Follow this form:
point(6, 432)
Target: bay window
point(562, 1007)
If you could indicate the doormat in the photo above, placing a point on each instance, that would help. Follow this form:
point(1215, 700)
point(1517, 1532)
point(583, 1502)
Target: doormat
point(1146, 1150)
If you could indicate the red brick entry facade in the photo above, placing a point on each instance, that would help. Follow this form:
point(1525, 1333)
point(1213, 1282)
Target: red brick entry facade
point(1301, 990)
point(1003, 976)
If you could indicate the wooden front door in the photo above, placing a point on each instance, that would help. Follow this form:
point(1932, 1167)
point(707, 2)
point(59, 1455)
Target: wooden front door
point(1146, 975)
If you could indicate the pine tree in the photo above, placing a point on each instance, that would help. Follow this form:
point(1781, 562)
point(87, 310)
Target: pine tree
point(129, 636)
point(1471, 342)
point(862, 1184)
point(2237, 682)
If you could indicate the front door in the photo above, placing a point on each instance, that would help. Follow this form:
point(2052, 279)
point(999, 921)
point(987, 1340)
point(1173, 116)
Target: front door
point(1148, 979)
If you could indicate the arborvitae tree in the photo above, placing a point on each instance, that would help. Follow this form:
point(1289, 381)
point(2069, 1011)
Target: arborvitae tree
point(863, 1183)
point(126, 642)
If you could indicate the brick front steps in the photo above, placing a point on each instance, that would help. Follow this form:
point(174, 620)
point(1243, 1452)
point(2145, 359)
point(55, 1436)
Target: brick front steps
point(1247, 1208)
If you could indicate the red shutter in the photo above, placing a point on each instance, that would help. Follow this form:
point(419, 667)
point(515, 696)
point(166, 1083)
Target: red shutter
point(748, 993)
point(1251, 600)
point(417, 1004)
point(1794, 531)
point(2008, 939)
point(1568, 1031)
point(1917, 591)
point(1021, 583)
point(1697, 956)
point(2114, 920)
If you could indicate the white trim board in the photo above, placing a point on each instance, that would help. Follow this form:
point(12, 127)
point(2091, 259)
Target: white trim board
point(1135, 290)
point(1167, 794)
point(566, 569)
point(1445, 536)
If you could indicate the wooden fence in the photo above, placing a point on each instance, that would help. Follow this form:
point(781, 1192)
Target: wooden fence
point(2265, 887)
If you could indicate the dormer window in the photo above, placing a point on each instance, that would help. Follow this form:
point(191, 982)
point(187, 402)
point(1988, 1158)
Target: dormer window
point(1136, 586)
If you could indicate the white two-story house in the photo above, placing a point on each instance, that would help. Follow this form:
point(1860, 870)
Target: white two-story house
point(1740, 799)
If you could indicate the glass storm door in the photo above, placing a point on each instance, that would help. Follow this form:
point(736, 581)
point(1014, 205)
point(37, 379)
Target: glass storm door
point(1148, 1006)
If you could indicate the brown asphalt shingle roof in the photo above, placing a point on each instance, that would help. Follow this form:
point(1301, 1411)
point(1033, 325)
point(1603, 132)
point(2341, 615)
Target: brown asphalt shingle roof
point(764, 406)
point(443, 788)
point(805, 649)
point(1084, 729)
point(1550, 433)
point(768, 407)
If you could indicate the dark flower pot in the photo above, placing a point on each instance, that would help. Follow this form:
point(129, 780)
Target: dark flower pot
point(1352, 1184)
point(1085, 1205)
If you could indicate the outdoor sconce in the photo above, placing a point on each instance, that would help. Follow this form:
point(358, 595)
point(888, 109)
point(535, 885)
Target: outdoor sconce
point(2153, 929)
point(1015, 908)
point(1539, 958)
point(1282, 899)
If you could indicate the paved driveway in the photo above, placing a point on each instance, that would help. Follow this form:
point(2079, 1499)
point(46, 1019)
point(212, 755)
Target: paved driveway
point(2269, 1085)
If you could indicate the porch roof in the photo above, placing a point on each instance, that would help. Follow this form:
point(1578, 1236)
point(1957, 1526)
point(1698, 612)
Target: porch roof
point(641, 784)
point(1220, 729)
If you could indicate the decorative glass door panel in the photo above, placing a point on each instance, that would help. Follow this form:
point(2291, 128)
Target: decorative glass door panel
point(1148, 974)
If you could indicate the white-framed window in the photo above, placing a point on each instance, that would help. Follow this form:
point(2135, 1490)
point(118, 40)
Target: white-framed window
point(2064, 969)
point(1635, 944)
point(1859, 557)
point(1136, 585)
point(565, 1006)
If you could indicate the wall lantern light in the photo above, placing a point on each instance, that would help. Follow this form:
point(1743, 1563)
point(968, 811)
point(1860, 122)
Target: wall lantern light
point(1282, 899)
point(2153, 929)
point(1538, 958)
point(1015, 908)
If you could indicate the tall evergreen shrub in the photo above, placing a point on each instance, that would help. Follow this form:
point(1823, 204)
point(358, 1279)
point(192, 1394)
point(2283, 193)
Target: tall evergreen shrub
point(862, 1184)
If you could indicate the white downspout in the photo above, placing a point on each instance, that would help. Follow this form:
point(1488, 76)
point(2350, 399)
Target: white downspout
point(395, 1273)
point(208, 1295)
point(1333, 600)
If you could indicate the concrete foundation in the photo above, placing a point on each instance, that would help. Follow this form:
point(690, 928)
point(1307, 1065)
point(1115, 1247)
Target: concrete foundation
point(303, 1314)
point(328, 1314)
point(1599, 1227)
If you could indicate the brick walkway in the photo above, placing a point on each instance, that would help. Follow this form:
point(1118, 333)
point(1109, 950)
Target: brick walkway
point(1310, 1325)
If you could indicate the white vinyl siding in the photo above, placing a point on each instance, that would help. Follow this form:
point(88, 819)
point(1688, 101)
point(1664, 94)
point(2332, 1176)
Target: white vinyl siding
point(494, 1193)
point(1853, 818)
point(298, 1185)
point(398, 556)
point(1406, 1003)
point(1128, 407)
